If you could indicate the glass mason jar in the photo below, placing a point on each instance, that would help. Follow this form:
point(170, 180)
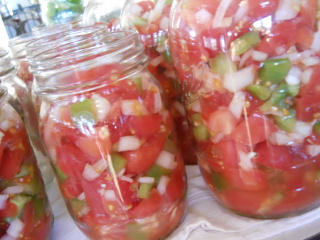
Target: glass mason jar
point(250, 74)
point(151, 18)
point(110, 138)
point(60, 11)
point(101, 11)
point(25, 212)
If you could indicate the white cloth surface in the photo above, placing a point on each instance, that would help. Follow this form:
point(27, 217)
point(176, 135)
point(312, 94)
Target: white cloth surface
point(204, 219)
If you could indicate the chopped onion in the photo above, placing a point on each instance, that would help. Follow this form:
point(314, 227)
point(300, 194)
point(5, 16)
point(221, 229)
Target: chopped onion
point(203, 16)
point(3, 200)
point(126, 178)
point(196, 106)
point(293, 77)
point(313, 150)
point(81, 196)
point(302, 129)
point(156, 61)
point(100, 165)
point(157, 101)
point(287, 9)
point(109, 195)
point(15, 228)
point(166, 160)
point(136, 9)
point(157, 11)
point(235, 81)
point(241, 12)
point(259, 56)
point(180, 108)
point(121, 172)
point(1, 136)
point(281, 138)
point(102, 105)
point(128, 143)
point(310, 61)
point(133, 108)
point(245, 57)
point(306, 75)
point(44, 109)
point(170, 73)
point(12, 190)
point(246, 160)
point(315, 46)
point(162, 185)
point(164, 23)
point(90, 173)
point(146, 180)
point(237, 104)
point(220, 13)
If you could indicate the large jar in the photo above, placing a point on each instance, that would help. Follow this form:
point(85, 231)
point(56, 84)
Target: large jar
point(110, 138)
point(250, 74)
point(25, 212)
point(151, 20)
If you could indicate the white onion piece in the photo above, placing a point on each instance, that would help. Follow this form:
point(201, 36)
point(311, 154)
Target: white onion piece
point(157, 11)
point(259, 56)
point(196, 106)
point(287, 9)
point(128, 143)
point(315, 46)
point(135, 9)
point(1, 136)
point(203, 16)
point(310, 61)
point(166, 160)
point(306, 75)
point(156, 61)
point(237, 104)
point(220, 13)
point(90, 173)
point(102, 105)
point(313, 150)
point(246, 160)
point(110, 195)
point(133, 108)
point(241, 12)
point(12, 190)
point(81, 196)
point(3, 200)
point(7, 237)
point(126, 178)
point(100, 165)
point(15, 228)
point(294, 75)
point(146, 180)
point(157, 101)
point(164, 23)
point(235, 81)
point(162, 185)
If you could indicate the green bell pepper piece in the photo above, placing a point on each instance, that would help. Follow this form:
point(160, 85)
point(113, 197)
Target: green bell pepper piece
point(20, 201)
point(201, 133)
point(157, 171)
point(222, 64)
point(144, 190)
point(118, 162)
point(316, 128)
point(219, 181)
point(82, 112)
point(280, 93)
point(138, 82)
point(244, 43)
point(287, 122)
point(259, 91)
point(274, 70)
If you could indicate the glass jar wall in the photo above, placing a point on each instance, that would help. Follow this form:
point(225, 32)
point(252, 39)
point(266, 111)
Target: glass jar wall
point(110, 138)
point(250, 74)
point(151, 20)
point(24, 208)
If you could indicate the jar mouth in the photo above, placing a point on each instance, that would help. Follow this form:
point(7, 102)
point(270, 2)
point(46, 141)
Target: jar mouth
point(104, 56)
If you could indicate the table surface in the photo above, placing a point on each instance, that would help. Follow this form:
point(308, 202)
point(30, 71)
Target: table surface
point(191, 228)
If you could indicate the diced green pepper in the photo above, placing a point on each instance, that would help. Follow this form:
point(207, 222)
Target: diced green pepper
point(222, 64)
point(293, 90)
point(219, 181)
point(259, 91)
point(61, 176)
point(287, 122)
point(157, 171)
point(167, 56)
point(82, 111)
point(118, 162)
point(138, 82)
point(77, 205)
point(144, 190)
point(196, 119)
point(25, 170)
point(316, 128)
point(274, 70)
point(244, 43)
point(279, 94)
point(39, 207)
point(270, 203)
point(201, 133)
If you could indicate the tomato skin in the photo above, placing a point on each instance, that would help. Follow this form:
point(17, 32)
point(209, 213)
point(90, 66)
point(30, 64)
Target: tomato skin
point(11, 163)
point(259, 9)
point(176, 186)
point(145, 125)
point(140, 160)
point(147, 206)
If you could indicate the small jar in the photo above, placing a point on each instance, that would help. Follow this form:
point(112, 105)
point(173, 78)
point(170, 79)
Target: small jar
point(25, 212)
point(151, 19)
point(101, 11)
point(110, 138)
point(250, 74)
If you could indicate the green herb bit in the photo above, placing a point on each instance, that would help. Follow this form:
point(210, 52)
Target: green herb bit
point(244, 43)
point(259, 91)
point(274, 70)
point(118, 162)
point(222, 64)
